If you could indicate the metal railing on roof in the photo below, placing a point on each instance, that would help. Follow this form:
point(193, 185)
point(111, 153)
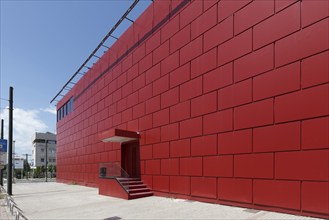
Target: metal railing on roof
point(66, 88)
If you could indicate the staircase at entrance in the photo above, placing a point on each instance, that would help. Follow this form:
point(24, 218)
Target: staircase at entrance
point(135, 187)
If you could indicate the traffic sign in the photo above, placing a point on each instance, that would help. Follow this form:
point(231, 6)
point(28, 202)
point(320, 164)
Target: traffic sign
point(3, 152)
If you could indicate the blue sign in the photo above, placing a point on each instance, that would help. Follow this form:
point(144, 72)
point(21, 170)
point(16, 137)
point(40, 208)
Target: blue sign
point(3, 145)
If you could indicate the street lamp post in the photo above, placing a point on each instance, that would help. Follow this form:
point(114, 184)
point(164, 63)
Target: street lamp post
point(46, 160)
point(10, 144)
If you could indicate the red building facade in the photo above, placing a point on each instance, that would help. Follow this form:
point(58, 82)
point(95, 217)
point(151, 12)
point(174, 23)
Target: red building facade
point(230, 98)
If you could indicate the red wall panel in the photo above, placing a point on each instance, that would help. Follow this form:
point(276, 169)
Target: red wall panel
point(231, 99)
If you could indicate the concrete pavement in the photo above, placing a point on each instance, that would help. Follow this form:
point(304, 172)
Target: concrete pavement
point(41, 200)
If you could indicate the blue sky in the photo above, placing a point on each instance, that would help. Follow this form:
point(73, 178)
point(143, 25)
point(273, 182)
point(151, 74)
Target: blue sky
point(42, 44)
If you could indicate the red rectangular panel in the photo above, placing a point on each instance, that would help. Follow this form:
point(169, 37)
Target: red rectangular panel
point(180, 111)
point(180, 185)
point(161, 85)
point(239, 190)
point(153, 74)
point(161, 52)
point(180, 39)
point(227, 7)
point(302, 165)
point(235, 142)
point(277, 26)
point(234, 95)
point(218, 34)
point(204, 104)
point(276, 82)
point(191, 127)
point(302, 104)
point(191, 89)
point(170, 132)
point(161, 150)
point(152, 105)
point(313, 11)
point(204, 145)
point(191, 12)
point(170, 166)
point(191, 166)
point(315, 133)
point(254, 63)
point(191, 50)
point(180, 75)
point(203, 187)
point(253, 13)
point(315, 70)
point(284, 194)
point(180, 148)
point(152, 167)
point(170, 63)
point(218, 78)
point(281, 137)
point(235, 48)
point(254, 114)
point(170, 98)
point(161, 183)
point(204, 22)
point(170, 29)
point(254, 165)
point(153, 136)
point(218, 122)
point(218, 166)
point(307, 42)
point(204, 63)
point(315, 197)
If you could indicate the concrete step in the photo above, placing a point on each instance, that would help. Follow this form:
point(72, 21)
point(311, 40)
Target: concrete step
point(122, 179)
point(131, 183)
point(137, 186)
point(140, 190)
point(140, 195)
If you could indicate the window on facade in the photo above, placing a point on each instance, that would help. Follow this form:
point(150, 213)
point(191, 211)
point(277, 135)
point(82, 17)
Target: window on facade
point(42, 150)
point(66, 109)
point(39, 141)
point(42, 159)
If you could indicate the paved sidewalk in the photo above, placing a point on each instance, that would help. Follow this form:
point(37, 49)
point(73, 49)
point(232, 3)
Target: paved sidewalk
point(4, 211)
point(40, 200)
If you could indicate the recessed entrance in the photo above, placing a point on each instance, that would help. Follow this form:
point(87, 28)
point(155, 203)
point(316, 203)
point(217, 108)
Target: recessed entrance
point(130, 160)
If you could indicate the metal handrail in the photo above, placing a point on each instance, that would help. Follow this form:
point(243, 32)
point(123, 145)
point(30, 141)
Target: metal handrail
point(115, 171)
point(13, 207)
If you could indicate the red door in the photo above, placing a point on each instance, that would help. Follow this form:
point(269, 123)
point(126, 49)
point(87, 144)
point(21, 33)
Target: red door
point(130, 159)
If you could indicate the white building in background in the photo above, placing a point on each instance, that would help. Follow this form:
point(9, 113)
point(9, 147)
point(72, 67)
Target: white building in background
point(39, 149)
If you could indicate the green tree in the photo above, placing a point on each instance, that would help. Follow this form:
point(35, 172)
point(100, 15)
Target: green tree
point(27, 168)
point(37, 172)
point(51, 169)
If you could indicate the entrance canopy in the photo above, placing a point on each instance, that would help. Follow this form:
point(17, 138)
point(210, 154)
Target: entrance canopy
point(118, 135)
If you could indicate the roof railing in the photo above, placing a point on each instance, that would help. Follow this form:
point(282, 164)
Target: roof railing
point(66, 88)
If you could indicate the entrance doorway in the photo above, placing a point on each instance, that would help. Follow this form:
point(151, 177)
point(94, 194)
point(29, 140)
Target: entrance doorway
point(130, 160)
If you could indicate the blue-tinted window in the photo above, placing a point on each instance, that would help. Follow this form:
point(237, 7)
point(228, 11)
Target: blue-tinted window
point(65, 109)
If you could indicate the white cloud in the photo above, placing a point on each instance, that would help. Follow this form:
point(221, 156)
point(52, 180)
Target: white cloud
point(50, 109)
point(26, 123)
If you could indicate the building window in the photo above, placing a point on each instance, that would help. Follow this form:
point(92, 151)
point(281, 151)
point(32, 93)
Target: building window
point(42, 150)
point(42, 159)
point(66, 109)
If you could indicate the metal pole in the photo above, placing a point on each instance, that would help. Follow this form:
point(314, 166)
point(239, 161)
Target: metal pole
point(2, 122)
point(26, 165)
point(10, 144)
point(46, 161)
point(3, 169)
